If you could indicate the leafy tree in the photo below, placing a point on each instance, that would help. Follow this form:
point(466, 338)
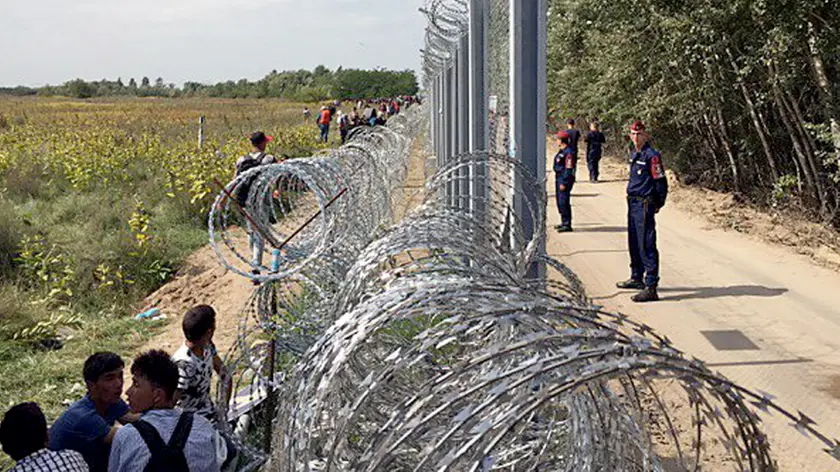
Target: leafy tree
point(79, 89)
point(742, 94)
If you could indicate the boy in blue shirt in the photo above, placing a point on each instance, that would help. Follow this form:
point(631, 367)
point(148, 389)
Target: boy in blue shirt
point(89, 425)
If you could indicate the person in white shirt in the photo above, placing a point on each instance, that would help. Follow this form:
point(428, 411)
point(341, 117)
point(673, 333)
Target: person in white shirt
point(152, 393)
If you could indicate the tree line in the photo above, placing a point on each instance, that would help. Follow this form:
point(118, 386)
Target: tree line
point(742, 95)
point(301, 85)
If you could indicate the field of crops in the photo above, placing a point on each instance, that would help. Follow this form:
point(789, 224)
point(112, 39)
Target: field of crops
point(100, 201)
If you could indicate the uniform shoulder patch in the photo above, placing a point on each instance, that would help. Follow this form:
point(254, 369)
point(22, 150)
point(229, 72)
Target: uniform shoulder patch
point(657, 170)
point(570, 161)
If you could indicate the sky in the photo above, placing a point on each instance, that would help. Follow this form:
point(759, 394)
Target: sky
point(53, 41)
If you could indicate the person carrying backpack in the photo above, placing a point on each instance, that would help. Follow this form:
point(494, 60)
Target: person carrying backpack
point(257, 157)
point(165, 439)
point(343, 126)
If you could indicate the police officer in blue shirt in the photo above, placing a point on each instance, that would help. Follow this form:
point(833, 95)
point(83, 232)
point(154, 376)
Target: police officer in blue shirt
point(646, 194)
point(565, 164)
point(574, 136)
point(594, 143)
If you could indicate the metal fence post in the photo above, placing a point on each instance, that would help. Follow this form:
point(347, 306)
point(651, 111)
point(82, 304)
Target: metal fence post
point(478, 91)
point(463, 110)
point(528, 101)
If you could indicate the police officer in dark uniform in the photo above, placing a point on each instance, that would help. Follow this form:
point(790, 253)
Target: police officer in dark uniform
point(646, 194)
point(574, 136)
point(595, 140)
point(565, 165)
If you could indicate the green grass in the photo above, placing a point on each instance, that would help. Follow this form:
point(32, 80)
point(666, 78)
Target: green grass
point(57, 241)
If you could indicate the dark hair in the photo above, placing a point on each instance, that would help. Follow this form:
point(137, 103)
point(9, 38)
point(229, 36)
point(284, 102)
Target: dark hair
point(570, 121)
point(100, 364)
point(198, 321)
point(23, 430)
point(258, 138)
point(159, 369)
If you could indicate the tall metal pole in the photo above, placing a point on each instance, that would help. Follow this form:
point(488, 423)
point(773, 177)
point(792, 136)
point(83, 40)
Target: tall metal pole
point(478, 91)
point(528, 103)
point(463, 110)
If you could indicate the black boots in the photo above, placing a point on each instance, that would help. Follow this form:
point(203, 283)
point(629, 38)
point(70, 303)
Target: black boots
point(563, 228)
point(649, 294)
point(631, 284)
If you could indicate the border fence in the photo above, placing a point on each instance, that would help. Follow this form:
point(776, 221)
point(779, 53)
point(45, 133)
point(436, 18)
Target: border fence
point(484, 66)
point(449, 340)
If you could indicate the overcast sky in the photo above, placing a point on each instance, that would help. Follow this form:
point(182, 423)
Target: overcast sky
point(52, 41)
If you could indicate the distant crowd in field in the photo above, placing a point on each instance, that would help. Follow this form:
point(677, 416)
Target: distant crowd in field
point(169, 423)
point(374, 112)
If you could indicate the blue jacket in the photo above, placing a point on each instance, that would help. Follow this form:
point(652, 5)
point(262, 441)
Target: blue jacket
point(647, 176)
point(565, 165)
point(574, 138)
point(594, 140)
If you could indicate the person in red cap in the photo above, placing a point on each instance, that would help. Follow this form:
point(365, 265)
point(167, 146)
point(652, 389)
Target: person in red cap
point(646, 194)
point(257, 157)
point(565, 164)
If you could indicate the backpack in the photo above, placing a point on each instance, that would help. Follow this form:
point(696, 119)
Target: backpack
point(167, 457)
point(245, 165)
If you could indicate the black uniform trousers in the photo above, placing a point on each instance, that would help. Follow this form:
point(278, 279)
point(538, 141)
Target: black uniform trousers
point(564, 201)
point(641, 226)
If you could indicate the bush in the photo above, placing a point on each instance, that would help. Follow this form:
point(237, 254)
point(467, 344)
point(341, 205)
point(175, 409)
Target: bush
point(11, 233)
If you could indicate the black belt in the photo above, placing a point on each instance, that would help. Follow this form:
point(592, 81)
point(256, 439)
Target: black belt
point(639, 199)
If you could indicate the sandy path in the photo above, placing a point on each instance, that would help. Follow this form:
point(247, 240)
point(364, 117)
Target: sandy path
point(717, 280)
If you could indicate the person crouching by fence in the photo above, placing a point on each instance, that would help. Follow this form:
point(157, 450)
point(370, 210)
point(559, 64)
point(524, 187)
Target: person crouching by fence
point(165, 437)
point(257, 157)
point(23, 434)
point(89, 425)
point(565, 164)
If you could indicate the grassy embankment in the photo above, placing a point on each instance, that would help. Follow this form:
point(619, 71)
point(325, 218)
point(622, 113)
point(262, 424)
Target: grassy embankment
point(100, 201)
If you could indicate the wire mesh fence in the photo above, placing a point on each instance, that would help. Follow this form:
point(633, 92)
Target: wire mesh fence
point(428, 343)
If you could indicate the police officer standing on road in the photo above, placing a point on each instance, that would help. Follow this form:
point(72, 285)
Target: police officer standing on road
point(574, 136)
point(565, 164)
point(646, 194)
point(594, 142)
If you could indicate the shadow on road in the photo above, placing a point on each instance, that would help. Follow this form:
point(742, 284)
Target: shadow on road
point(700, 293)
point(585, 195)
point(602, 229)
point(588, 251)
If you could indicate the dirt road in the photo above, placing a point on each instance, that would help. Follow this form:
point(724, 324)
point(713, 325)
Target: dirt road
point(787, 308)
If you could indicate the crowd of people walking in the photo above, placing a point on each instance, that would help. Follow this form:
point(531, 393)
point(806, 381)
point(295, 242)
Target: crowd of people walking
point(364, 113)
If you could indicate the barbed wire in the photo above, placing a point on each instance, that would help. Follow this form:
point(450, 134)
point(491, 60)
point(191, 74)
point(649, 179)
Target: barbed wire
point(421, 344)
point(434, 352)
